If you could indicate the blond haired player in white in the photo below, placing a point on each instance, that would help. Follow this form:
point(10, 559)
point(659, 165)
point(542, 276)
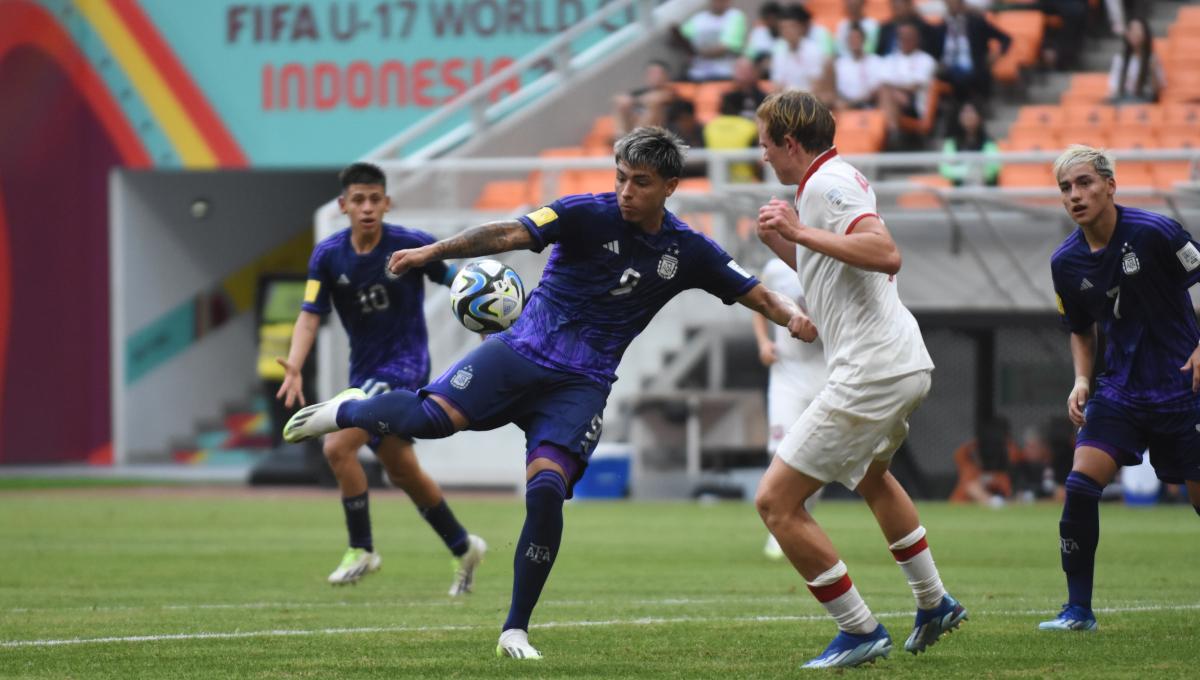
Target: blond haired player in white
point(797, 371)
point(879, 372)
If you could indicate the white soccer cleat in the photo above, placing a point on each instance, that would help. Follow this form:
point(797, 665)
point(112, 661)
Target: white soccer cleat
point(464, 567)
point(356, 563)
point(772, 549)
point(313, 421)
point(514, 643)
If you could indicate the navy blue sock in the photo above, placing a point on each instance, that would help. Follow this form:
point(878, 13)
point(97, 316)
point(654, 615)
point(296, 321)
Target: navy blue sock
point(538, 545)
point(358, 521)
point(1079, 533)
point(1196, 508)
point(446, 525)
point(398, 412)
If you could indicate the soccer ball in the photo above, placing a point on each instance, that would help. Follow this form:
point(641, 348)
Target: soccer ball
point(487, 296)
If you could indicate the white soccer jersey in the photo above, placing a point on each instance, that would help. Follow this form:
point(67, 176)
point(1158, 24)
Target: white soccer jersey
point(809, 358)
point(869, 334)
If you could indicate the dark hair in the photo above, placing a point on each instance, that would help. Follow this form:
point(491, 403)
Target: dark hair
point(802, 116)
point(1145, 61)
point(959, 133)
point(362, 173)
point(797, 13)
point(857, 27)
point(654, 148)
point(770, 9)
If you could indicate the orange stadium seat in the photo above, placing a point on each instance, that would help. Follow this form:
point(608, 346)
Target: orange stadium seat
point(1027, 175)
point(700, 185)
point(1043, 116)
point(503, 195)
point(1133, 138)
point(1135, 174)
point(1139, 116)
point(923, 200)
point(925, 124)
point(586, 182)
point(1089, 115)
point(539, 193)
point(1184, 85)
point(600, 138)
point(1086, 88)
point(1188, 16)
point(1167, 174)
point(1032, 139)
point(1181, 114)
point(685, 90)
point(1179, 138)
point(1097, 137)
point(708, 99)
point(860, 131)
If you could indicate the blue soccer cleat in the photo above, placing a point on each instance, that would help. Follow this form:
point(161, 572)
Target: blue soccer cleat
point(932, 624)
point(848, 649)
point(1072, 617)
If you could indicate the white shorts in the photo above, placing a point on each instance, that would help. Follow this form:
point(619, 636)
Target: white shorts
point(787, 398)
point(848, 427)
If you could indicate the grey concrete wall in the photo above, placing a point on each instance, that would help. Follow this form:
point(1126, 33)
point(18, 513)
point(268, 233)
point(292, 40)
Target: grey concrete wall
point(163, 256)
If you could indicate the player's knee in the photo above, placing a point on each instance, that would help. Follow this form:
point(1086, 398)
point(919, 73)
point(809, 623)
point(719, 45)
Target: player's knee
point(337, 453)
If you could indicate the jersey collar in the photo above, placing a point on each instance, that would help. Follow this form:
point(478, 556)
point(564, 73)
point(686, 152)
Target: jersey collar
point(824, 157)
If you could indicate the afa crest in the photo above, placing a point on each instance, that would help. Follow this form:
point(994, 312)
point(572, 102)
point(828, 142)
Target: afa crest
point(462, 378)
point(1129, 262)
point(668, 265)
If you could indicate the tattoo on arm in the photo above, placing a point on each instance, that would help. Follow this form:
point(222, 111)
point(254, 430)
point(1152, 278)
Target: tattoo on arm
point(486, 239)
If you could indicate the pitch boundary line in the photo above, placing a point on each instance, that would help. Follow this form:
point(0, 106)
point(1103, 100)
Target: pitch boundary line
point(639, 621)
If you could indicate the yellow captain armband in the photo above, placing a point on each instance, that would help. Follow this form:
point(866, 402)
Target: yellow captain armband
point(313, 287)
point(1058, 303)
point(542, 216)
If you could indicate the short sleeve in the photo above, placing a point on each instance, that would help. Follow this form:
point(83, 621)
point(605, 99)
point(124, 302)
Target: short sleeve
point(316, 289)
point(1182, 262)
point(839, 204)
point(719, 274)
point(557, 221)
point(1071, 311)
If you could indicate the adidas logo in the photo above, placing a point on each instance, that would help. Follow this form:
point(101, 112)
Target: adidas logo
point(613, 246)
point(1085, 285)
point(343, 280)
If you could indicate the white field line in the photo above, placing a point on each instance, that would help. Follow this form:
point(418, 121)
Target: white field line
point(641, 621)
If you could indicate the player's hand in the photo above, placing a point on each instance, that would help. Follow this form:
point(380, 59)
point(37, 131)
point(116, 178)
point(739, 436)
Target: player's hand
point(1193, 366)
point(801, 327)
point(292, 389)
point(403, 260)
point(1078, 400)
point(766, 353)
point(780, 217)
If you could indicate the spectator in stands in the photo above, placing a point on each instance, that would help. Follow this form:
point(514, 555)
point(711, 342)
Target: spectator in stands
point(646, 105)
point(857, 72)
point(855, 17)
point(1136, 74)
point(908, 74)
point(798, 62)
point(746, 95)
point(731, 130)
point(681, 120)
point(763, 36)
point(969, 134)
point(903, 12)
point(983, 465)
point(1061, 44)
point(714, 37)
point(962, 49)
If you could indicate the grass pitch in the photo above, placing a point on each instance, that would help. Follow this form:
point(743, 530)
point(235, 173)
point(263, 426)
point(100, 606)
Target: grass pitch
point(183, 583)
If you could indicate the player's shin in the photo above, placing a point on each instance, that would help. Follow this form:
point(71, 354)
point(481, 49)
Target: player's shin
point(398, 412)
point(1079, 533)
point(835, 591)
point(538, 545)
point(913, 556)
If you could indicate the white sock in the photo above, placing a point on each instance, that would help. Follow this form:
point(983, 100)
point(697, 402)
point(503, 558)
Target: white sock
point(916, 561)
point(834, 590)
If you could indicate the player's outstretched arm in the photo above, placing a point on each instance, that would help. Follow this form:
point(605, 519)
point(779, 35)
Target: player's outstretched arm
point(781, 310)
point(303, 335)
point(869, 246)
point(486, 239)
point(1083, 356)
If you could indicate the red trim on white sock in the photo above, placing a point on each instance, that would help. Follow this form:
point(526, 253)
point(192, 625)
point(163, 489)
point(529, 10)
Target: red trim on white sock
point(832, 591)
point(906, 554)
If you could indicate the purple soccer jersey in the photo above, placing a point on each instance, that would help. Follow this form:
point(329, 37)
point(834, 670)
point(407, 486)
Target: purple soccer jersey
point(383, 316)
point(606, 279)
point(1136, 290)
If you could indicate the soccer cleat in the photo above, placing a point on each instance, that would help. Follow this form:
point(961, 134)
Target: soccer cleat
point(772, 550)
point(356, 563)
point(464, 567)
point(514, 643)
point(848, 649)
point(313, 421)
point(932, 624)
point(1072, 617)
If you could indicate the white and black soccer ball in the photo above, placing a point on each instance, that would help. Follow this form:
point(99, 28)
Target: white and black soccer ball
point(487, 296)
